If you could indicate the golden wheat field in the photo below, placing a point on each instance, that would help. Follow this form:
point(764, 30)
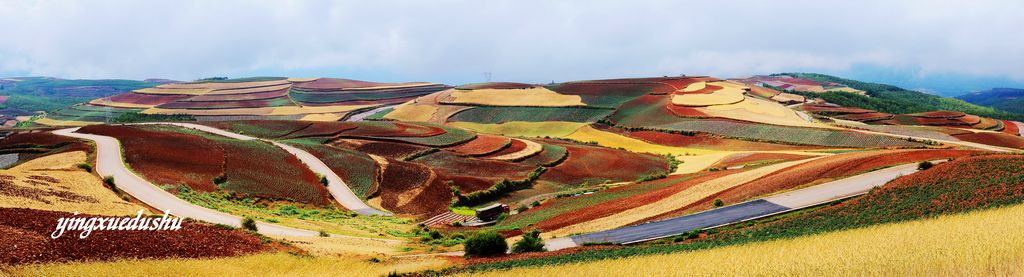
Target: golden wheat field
point(277, 264)
point(983, 243)
point(55, 183)
point(613, 140)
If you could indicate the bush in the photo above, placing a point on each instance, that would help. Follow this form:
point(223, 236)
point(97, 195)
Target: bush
point(487, 243)
point(531, 242)
point(719, 203)
point(324, 234)
point(249, 224)
point(925, 165)
point(323, 180)
point(86, 167)
point(521, 209)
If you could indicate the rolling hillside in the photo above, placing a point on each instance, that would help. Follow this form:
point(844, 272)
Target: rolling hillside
point(1007, 99)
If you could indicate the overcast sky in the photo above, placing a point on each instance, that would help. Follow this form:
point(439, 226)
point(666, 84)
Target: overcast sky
point(531, 41)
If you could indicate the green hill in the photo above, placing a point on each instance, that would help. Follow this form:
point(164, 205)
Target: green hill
point(30, 94)
point(1007, 99)
point(896, 100)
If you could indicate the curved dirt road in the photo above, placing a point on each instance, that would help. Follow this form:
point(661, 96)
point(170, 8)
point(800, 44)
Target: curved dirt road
point(767, 206)
point(338, 189)
point(109, 163)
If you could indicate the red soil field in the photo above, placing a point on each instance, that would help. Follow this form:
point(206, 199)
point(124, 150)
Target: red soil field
point(868, 116)
point(337, 84)
point(394, 129)
point(996, 139)
point(482, 145)
point(321, 129)
point(394, 150)
point(761, 158)
point(497, 85)
point(683, 111)
point(707, 89)
point(452, 165)
point(239, 97)
point(707, 141)
point(273, 102)
point(259, 128)
point(167, 158)
point(1010, 128)
point(618, 205)
point(937, 121)
point(970, 119)
point(646, 110)
point(610, 89)
point(986, 124)
point(411, 188)
point(594, 164)
point(145, 99)
point(25, 234)
point(248, 171)
point(939, 114)
point(515, 146)
point(829, 168)
point(833, 109)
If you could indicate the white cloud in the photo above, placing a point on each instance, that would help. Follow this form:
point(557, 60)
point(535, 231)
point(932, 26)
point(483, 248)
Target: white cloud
point(516, 40)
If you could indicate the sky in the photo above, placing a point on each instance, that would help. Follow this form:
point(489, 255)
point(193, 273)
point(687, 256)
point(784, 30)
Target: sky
point(947, 47)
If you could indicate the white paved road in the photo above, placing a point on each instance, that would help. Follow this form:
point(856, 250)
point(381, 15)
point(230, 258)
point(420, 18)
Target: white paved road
point(109, 162)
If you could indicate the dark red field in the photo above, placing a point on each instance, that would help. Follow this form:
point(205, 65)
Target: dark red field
point(411, 188)
point(167, 158)
point(1010, 128)
point(593, 164)
point(146, 99)
point(25, 234)
point(515, 146)
point(997, 139)
point(757, 158)
point(392, 150)
point(335, 84)
point(482, 145)
point(489, 171)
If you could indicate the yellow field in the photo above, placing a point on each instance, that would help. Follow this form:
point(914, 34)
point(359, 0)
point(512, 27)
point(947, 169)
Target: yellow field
point(724, 96)
point(178, 91)
point(302, 80)
point(322, 117)
point(680, 199)
point(696, 163)
point(222, 85)
point(412, 112)
point(788, 97)
point(983, 243)
point(613, 140)
point(757, 110)
point(531, 148)
point(695, 86)
point(71, 181)
point(286, 110)
point(105, 102)
point(277, 264)
point(244, 90)
point(522, 128)
point(847, 89)
point(535, 96)
point(63, 123)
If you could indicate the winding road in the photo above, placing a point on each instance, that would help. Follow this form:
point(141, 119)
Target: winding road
point(109, 162)
point(767, 206)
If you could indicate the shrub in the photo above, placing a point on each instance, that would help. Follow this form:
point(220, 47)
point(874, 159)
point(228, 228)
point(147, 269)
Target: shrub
point(323, 180)
point(249, 224)
point(535, 203)
point(719, 203)
point(324, 234)
point(487, 243)
point(220, 179)
point(531, 242)
point(925, 165)
point(86, 167)
point(521, 209)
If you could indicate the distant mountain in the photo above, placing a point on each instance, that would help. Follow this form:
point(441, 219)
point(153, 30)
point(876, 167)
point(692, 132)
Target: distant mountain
point(1007, 99)
point(896, 100)
point(27, 95)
